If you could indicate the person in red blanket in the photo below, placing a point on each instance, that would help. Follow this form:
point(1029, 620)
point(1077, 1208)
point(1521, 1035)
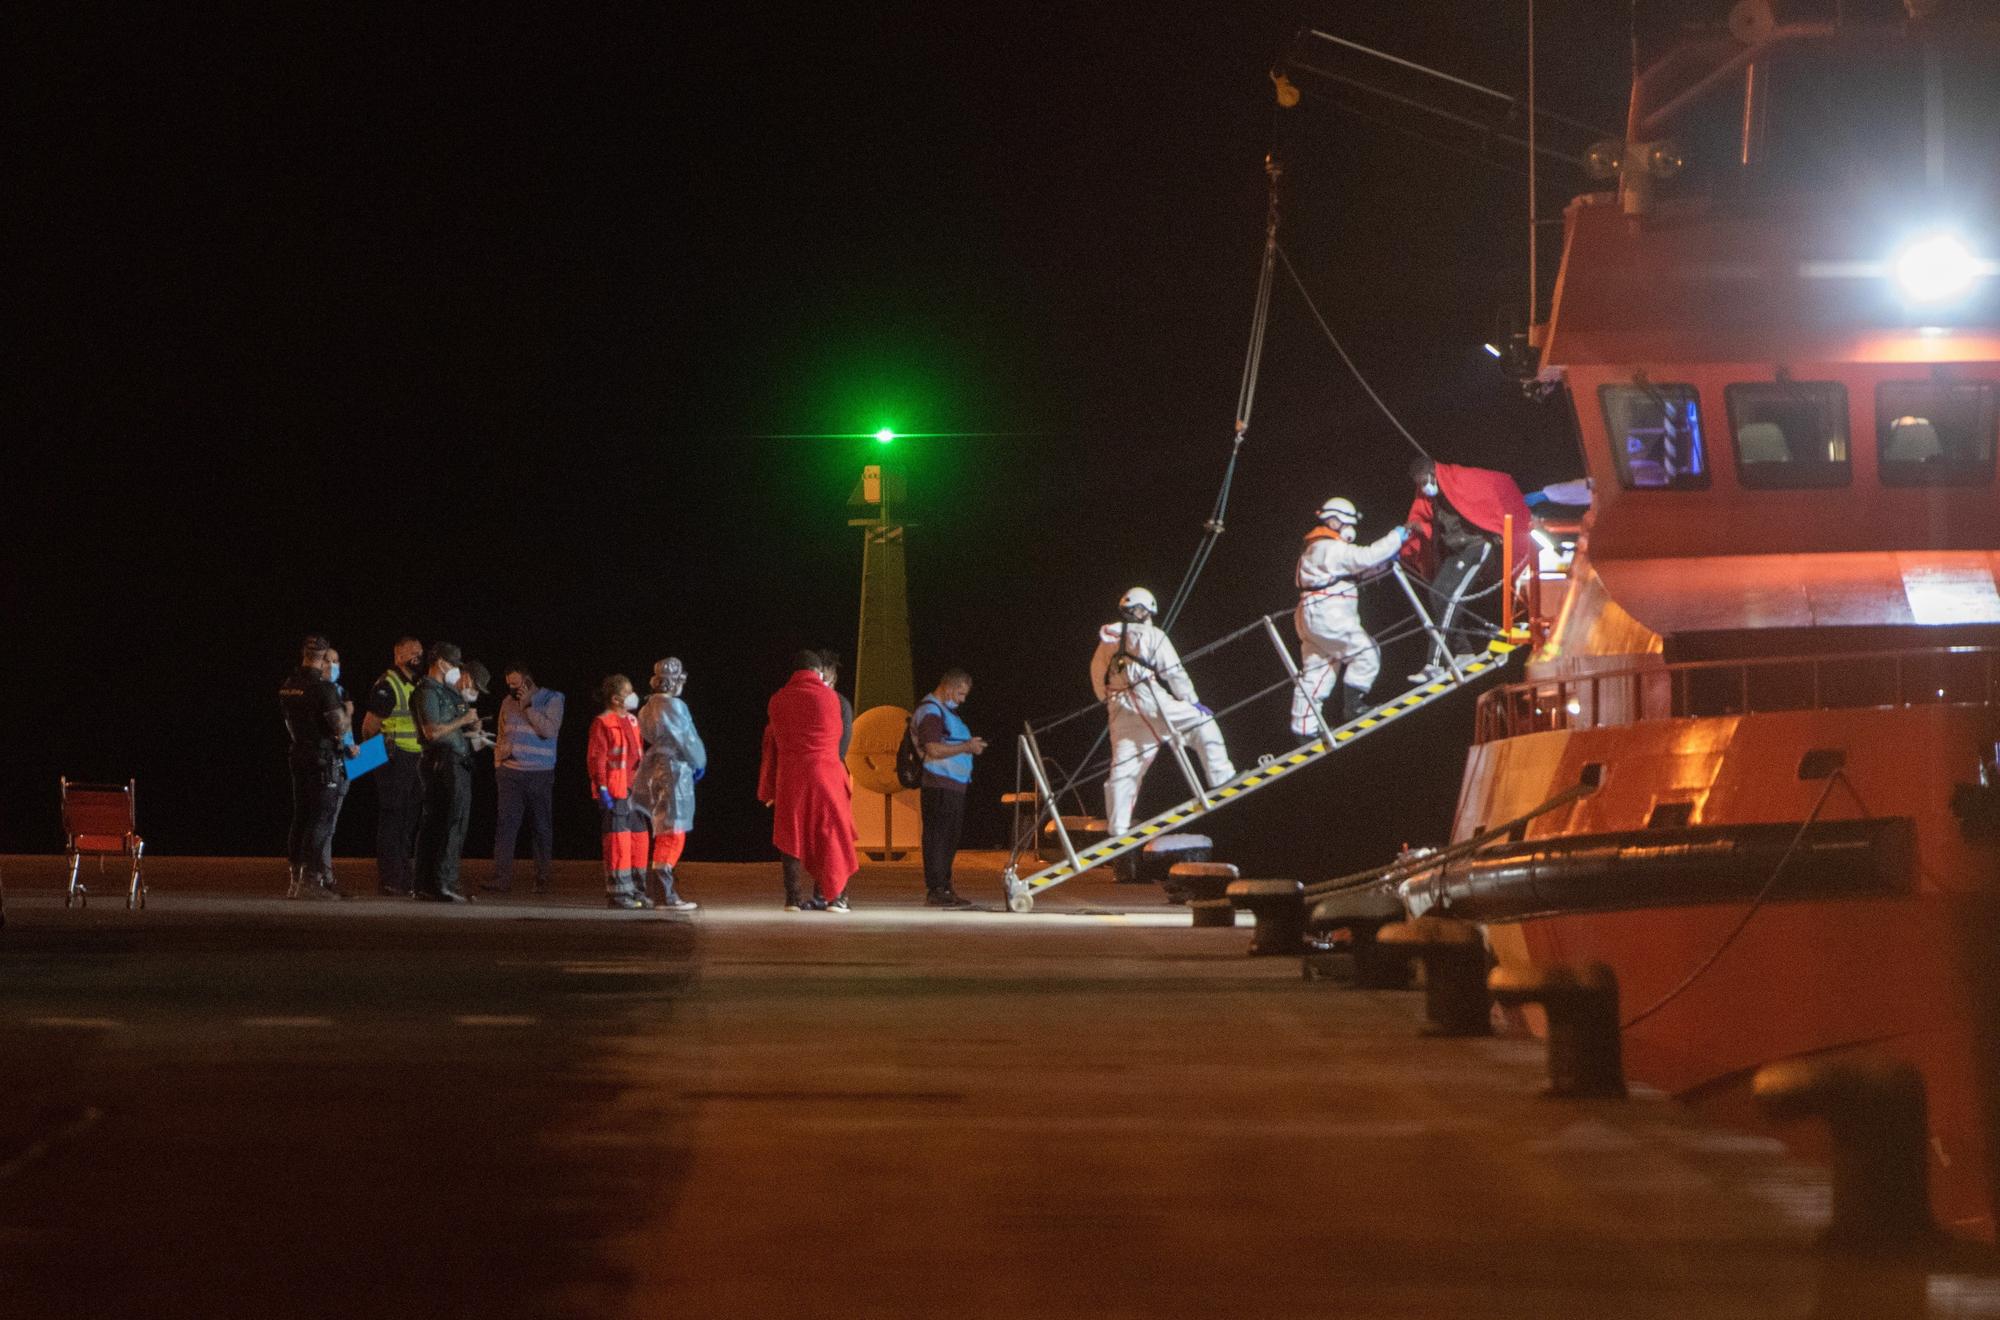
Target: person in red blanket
point(1455, 523)
point(613, 759)
point(803, 781)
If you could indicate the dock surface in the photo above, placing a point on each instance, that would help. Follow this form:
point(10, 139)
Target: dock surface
point(233, 1105)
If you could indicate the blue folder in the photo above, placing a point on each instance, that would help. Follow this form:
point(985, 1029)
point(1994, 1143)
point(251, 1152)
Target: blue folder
point(367, 756)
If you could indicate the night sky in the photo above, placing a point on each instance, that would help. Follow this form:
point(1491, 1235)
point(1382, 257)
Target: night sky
point(477, 325)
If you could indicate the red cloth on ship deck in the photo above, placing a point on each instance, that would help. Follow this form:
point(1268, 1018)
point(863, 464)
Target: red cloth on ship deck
point(804, 780)
point(1483, 498)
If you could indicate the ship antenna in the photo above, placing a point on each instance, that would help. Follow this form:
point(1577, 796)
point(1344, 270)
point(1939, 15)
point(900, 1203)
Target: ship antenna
point(1534, 213)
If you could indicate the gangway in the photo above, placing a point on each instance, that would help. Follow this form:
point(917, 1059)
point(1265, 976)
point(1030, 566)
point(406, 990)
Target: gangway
point(1458, 673)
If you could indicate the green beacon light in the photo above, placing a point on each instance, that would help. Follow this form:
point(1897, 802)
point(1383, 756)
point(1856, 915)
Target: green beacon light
point(884, 436)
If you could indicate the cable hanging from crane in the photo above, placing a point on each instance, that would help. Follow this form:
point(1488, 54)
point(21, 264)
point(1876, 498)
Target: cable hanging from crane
point(1247, 392)
point(1246, 397)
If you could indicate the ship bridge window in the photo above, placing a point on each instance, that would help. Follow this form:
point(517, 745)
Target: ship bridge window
point(1655, 433)
point(1936, 433)
point(1790, 434)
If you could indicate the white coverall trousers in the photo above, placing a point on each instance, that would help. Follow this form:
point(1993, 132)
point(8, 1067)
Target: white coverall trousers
point(1328, 619)
point(1330, 636)
point(1139, 724)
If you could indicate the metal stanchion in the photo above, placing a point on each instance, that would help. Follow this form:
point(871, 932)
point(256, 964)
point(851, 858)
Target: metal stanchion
point(1436, 635)
point(1298, 681)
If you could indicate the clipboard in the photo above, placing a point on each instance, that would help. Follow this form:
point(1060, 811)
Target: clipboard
point(368, 756)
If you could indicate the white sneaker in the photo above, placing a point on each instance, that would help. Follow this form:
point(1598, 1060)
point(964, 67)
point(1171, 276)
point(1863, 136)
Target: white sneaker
point(1429, 674)
point(678, 905)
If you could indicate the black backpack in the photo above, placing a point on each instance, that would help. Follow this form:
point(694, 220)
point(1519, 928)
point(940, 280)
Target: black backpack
point(909, 756)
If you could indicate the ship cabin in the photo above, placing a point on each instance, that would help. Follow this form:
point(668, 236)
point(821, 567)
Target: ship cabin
point(1781, 338)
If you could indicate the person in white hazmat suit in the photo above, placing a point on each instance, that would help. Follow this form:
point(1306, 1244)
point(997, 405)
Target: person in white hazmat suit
point(1147, 698)
point(1332, 642)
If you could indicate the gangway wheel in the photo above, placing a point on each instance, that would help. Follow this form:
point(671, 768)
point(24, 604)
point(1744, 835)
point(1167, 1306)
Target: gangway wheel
point(1018, 897)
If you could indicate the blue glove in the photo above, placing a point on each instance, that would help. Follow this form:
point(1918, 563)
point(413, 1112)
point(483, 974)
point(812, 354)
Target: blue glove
point(1202, 706)
point(699, 771)
point(604, 798)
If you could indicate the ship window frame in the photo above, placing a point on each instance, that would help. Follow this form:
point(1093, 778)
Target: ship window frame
point(1946, 472)
point(1793, 473)
point(1621, 458)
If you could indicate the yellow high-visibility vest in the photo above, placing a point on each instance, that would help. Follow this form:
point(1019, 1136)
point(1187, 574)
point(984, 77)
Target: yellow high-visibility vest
point(399, 727)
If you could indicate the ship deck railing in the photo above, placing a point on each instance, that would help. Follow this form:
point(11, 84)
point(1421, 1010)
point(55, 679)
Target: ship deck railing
point(1694, 689)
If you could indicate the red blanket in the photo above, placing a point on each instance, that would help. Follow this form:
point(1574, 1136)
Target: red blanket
point(803, 779)
point(1483, 498)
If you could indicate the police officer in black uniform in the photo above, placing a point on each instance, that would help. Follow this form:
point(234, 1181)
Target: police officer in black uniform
point(316, 719)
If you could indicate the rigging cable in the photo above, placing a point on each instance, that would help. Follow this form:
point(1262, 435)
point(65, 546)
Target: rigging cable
point(1246, 396)
point(1331, 338)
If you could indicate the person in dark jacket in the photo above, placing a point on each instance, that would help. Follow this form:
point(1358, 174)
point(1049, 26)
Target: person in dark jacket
point(316, 722)
point(829, 668)
point(1455, 524)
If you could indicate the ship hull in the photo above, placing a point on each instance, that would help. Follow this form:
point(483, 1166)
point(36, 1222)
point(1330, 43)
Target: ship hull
point(1909, 971)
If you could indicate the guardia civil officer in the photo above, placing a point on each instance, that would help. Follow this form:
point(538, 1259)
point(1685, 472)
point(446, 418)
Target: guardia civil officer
point(399, 785)
point(443, 718)
point(316, 721)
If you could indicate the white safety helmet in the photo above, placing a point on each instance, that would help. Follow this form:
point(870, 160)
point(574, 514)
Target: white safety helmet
point(1138, 605)
point(1341, 510)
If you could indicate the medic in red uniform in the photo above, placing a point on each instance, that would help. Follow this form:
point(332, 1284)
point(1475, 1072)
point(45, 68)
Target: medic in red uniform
point(613, 759)
point(803, 780)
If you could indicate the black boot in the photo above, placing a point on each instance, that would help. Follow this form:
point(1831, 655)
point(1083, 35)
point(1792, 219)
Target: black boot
point(1353, 703)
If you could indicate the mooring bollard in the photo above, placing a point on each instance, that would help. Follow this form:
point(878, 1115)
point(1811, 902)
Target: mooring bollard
point(1279, 907)
point(1188, 881)
point(1211, 912)
point(1454, 958)
point(1877, 1116)
point(1586, 1046)
point(1361, 914)
point(1158, 858)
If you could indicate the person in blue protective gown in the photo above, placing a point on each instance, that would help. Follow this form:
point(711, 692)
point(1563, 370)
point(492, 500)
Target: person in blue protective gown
point(664, 789)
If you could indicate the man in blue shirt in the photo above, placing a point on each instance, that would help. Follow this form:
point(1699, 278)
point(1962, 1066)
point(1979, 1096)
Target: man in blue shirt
point(525, 774)
point(948, 747)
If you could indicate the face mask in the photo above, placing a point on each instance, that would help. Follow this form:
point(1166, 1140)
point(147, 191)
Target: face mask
point(451, 676)
point(951, 705)
point(333, 672)
point(1431, 489)
point(631, 701)
point(1347, 532)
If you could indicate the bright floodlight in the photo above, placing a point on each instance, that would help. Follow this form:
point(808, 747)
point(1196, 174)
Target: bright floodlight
point(1935, 268)
point(884, 436)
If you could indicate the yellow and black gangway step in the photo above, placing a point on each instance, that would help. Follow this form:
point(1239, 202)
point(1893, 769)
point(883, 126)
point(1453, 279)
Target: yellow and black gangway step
point(1021, 891)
